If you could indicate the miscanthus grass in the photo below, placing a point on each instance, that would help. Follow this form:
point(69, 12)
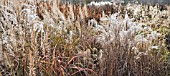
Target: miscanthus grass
point(49, 38)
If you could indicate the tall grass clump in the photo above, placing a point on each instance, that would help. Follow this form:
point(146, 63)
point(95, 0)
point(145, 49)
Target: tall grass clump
point(49, 38)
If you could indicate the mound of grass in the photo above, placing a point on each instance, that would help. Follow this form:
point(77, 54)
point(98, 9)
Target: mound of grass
point(48, 38)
